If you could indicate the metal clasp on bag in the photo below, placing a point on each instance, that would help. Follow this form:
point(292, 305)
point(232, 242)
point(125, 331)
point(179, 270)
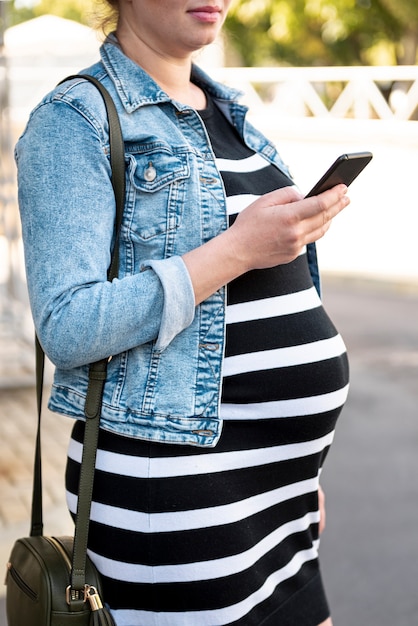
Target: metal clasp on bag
point(89, 593)
point(74, 595)
point(94, 599)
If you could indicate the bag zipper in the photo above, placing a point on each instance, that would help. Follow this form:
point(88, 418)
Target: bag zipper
point(90, 593)
point(60, 548)
point(21, 583)
point(18, 578)
point(57, 545)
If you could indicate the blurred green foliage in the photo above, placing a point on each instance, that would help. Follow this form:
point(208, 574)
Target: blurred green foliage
point(289, 32)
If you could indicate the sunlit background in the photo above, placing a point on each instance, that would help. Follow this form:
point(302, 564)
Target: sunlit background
point(326, 78)
point(321, 78)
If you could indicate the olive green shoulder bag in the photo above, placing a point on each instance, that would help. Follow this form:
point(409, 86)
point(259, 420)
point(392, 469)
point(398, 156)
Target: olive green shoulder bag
point(51, 580)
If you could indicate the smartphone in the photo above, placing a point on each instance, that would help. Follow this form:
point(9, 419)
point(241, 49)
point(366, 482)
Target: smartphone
point(344, 170)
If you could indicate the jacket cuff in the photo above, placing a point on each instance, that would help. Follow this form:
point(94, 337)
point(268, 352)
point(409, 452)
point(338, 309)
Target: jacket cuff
point(179, 299)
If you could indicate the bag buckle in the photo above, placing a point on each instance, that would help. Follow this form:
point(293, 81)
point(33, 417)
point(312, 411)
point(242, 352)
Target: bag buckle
point(89, 593)
point(75, 595)
point(94, 598)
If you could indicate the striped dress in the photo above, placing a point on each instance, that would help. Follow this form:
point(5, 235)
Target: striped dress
point(188, 536)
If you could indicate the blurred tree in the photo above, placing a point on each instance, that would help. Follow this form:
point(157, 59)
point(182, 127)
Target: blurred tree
point(297, 32)
point(313, 32)
point(78, 10)
point(406, 13)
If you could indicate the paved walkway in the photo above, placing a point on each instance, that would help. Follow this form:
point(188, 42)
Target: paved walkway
point(370, 549)
point(17, 439)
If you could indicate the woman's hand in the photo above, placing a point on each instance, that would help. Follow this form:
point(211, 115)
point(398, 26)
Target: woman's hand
point(274, 229)
point(271, 231)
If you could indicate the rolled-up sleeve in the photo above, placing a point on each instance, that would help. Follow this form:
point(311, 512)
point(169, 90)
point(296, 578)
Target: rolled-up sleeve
point(179, 300)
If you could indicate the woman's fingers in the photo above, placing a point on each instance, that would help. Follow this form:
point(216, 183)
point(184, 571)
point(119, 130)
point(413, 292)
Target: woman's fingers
point(271, 231)
point(274, 228)
point(327, 206)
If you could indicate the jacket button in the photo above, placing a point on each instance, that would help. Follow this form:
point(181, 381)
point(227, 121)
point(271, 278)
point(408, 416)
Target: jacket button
point(150, 173)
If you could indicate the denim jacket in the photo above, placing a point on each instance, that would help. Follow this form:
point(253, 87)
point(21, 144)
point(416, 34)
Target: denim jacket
point(164, 377)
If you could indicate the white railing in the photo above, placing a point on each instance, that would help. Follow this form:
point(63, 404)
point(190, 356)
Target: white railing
point(386, 93)
point(313, 114)
point(372, 92)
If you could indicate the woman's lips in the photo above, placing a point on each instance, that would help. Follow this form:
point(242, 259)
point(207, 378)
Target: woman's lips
point(208, 14)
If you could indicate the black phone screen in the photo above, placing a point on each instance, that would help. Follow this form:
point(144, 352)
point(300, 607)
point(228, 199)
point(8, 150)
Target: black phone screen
point(344, 170)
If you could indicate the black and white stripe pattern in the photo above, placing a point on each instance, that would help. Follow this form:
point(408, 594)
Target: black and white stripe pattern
point(284, 357)
point(189, 536)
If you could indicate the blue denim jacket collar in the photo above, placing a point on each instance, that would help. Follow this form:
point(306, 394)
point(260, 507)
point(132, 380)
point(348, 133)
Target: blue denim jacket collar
point(136, 88)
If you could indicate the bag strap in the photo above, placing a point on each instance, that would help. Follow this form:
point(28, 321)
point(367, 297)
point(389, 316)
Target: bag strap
point(97, 376)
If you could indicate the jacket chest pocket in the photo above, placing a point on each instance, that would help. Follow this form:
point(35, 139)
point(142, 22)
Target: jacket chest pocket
point(156, 194)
